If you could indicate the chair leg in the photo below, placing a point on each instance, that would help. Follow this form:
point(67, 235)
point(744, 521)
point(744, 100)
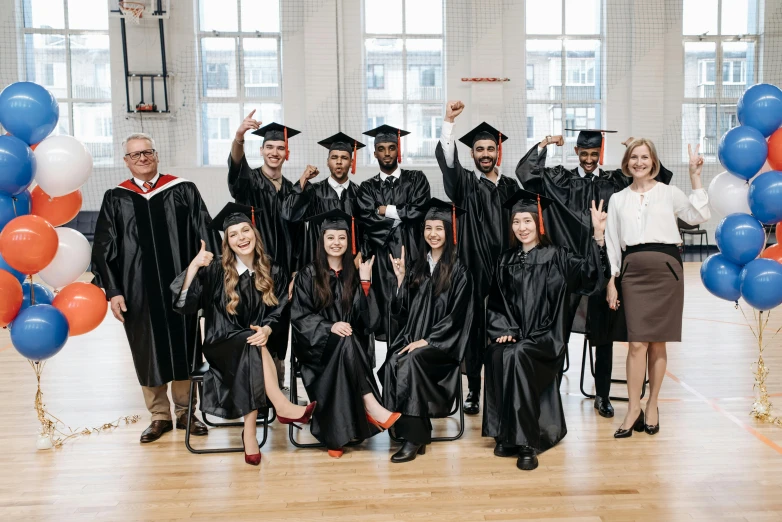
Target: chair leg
point(588, 348)
point(294, 385)
point(209, 450)
point(460, 402)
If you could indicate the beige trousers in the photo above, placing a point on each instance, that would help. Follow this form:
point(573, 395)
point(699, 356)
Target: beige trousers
point(156, 398)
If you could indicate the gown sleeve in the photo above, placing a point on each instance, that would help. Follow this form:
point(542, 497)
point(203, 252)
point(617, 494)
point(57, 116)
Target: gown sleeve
point(456, 180)
point(280, 278)
point(400, 301)
point(297, 203)
point(499, 320)
point(194, 293)
point(586, 275)
point(365, 311)
point(451, 333)
point(415, 207)
point(533, 176)
point(105, 250)
point(376, 228)
point(240, 178)
point(201, 222)
point(311, 329)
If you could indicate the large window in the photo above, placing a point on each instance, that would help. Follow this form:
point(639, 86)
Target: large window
point(720, 62)
point(66, 49)
point(564, 41)
point(403, 48)
point(239, 45)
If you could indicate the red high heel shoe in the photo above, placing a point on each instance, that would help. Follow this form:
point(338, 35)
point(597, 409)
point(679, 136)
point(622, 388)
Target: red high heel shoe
point(253, 460)
point(304, 419)
point(384, 425)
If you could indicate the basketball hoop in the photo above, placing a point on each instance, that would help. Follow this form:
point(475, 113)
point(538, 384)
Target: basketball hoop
point(133, 10)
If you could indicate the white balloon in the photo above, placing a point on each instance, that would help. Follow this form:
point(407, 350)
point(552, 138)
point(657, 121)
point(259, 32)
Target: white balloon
point(70, 262)
point(728, 194)
point(63, 164)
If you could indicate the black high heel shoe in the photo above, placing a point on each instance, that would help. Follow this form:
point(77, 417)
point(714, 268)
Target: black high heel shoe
point(638, 425)
point(653, 429)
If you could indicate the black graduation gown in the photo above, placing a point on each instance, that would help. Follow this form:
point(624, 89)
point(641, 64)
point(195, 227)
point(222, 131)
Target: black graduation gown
point(234, 385)
point(569, 223)
point(423, 383)
point(528, 301)
point(142, 242)
point(335, 370)
point(302, 204)
point(281, 239)
point(410, 193)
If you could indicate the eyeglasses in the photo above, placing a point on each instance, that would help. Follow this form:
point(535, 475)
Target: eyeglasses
point(135, 156)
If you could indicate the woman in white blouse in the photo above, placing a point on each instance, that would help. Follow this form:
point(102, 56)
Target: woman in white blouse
point(642, 238)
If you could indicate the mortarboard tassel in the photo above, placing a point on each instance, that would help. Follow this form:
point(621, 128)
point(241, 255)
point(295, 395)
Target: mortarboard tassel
point(499, 153)
point(602, 147)
point(353, 168)
point(285, 135)
point(453, 221)
point(541, 229)
point(399, 146)
point(252, 215)
point(353, 233)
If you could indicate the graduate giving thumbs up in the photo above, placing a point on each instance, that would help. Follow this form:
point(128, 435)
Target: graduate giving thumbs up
point(203, 258)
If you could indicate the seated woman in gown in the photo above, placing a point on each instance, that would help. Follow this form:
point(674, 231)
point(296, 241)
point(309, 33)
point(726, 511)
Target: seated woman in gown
point(242, 295)
point(332, 316)
point(433, 307)
point(526, 318)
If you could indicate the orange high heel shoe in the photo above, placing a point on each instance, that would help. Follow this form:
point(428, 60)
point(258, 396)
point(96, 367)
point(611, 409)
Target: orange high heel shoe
point(395, 416)
point(336, 453)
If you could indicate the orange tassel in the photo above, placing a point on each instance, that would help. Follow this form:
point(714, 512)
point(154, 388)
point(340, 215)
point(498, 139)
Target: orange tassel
point(353, 168)
point(399, 146)
point(285, 134)
point(541, 228)
point(353, 233)
point(499, 153)
point(453, 222)
point(252, 215)
point(602, 147)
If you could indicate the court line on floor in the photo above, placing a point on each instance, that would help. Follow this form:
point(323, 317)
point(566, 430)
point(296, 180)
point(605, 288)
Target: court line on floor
point(7, 346)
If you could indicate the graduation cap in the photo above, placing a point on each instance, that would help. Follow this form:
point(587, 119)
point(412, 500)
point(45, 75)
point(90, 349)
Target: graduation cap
point(336, 219)
point(525, 201)
point(277, 132)
point(233, 214)
point(447, 212)
point(591, 139)
point(484, 131)
point(343, 142)
point(386, 134)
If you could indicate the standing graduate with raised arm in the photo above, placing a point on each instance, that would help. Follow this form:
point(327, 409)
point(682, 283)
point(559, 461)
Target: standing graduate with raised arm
point(527, 319)
point(434, 309)
point(484, 232)
point(391, 207)
point(333, 314)
point(569, 225)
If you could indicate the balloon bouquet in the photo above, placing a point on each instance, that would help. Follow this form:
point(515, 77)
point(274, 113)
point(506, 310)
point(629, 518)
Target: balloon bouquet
point(41, 321)
point(749, 195)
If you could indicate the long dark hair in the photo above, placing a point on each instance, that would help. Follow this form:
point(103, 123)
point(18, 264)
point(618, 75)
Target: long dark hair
point(350, 282)
point(442, 272)
point(543, 239)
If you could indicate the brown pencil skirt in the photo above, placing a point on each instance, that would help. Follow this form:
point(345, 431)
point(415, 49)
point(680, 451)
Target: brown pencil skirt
point(652, 293)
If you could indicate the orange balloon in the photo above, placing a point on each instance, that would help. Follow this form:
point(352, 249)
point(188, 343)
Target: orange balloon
point(84, 306)
point(775, 150)
point(773, 252)
point(10, 297)
point(56, 211)
point(28, 243)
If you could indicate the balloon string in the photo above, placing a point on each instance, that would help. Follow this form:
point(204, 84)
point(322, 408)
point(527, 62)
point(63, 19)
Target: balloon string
point(32, 291)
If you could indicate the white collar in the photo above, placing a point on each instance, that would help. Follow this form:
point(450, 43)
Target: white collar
point(336, 185)
point(583, 174)
point(431, 261)
point(241, 268)
point(140, 182)
point(481, 175)
point(395, 174)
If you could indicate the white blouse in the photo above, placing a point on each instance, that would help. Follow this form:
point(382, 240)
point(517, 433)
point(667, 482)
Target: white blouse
point(635, 219)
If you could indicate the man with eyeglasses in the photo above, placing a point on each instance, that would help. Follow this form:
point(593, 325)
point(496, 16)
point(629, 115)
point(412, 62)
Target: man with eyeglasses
point(149, 229)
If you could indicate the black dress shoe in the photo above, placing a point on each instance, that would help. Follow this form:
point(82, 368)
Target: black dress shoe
point(472, 403)
point(603, 407)
point(408, 452)
point(197, 427)
point(503, 450)
point(528, 459)
point(156, 430)
point(638, 425)
point(651, 430)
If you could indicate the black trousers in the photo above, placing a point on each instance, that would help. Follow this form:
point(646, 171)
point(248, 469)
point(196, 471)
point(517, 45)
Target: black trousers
point(417, 430)
point(604, 353)
point(476, 348)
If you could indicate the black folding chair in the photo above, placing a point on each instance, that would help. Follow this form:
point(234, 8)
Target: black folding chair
point(458, 406)
point(198, 368)
point(588, 347)
point(685, 229)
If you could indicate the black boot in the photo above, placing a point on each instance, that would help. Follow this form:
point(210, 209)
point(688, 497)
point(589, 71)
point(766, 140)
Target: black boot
point(472, 402)
point(603, 407)
point(408, 452)
point(528, 460)
point(505, 450)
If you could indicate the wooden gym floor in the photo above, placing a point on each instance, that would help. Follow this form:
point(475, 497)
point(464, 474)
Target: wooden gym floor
point(710, 461)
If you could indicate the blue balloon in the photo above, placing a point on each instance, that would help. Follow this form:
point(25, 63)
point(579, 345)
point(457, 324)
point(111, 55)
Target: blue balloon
point(16, 273)
point(765, 197)
point(39, 332)
point(761, 284)
point(42, 295)
point(28, 111)
point(742, 151)
point(760, 107)
point(721, 277)
point(14, 206)
point(17, 165)
point(741, 238)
